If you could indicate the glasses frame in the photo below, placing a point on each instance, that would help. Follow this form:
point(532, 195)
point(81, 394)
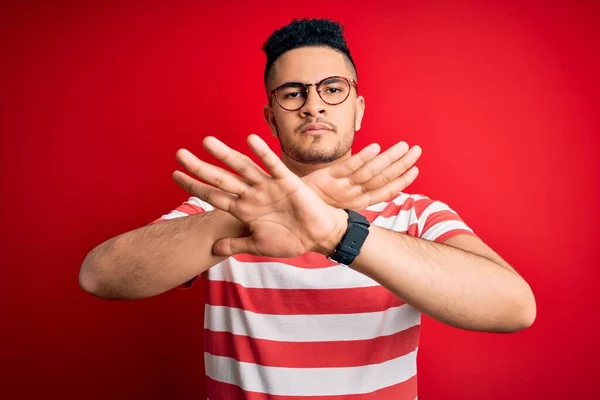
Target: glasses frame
point(350, 82)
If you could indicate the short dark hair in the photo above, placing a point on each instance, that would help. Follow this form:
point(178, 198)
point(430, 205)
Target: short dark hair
point(304, 33)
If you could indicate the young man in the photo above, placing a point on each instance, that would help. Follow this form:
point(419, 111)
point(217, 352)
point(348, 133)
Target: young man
point(319, 269)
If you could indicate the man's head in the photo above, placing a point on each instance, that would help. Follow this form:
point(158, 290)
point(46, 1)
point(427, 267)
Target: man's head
point(314, 126)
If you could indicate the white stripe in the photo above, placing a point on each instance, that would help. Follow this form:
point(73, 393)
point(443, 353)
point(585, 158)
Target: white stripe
point(200, 203)
point(381, 206)
point(399, 222)
point(311, 328)
point(311, 381)
point(192, 200)
point(440, 228)
point(401, 199)
point(174, 214)
point(434, 207)
point(275, 275)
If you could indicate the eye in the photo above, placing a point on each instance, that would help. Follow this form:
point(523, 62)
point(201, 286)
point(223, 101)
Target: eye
point(332, 90)
point(292, 95)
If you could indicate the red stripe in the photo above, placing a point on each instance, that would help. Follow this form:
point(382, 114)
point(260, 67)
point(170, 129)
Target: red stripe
point(421, 205)
point(455, 232)
point(308, 260)
point(301, 301)
point(393, 209)
point(390, 210)
point(348, 353)
point(440, 216)
point(406, 390)
point(413, 230)
point(190, 209)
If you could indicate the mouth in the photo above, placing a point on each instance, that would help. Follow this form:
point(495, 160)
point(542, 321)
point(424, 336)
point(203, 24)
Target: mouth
point(316, 130)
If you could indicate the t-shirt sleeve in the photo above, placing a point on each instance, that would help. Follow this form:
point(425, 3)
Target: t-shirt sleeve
point(437, 222)
point(192, 206)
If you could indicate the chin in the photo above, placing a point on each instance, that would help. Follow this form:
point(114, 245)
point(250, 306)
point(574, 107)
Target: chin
point(315, 149)
point(315, 157)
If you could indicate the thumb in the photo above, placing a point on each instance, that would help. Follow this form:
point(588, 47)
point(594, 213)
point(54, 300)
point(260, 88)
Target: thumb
point(230, 246)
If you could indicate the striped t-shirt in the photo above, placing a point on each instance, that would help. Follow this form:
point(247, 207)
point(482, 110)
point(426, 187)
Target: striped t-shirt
point(307, 328)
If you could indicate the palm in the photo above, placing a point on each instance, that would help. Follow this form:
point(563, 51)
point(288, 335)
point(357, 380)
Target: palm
point(367, 177)
point(284, 216)
point(275, 209)
point(339, 192)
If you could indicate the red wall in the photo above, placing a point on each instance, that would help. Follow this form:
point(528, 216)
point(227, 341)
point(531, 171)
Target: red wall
point(97, 97)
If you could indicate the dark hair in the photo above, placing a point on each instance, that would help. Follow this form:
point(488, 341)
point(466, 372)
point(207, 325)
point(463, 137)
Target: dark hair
point(303, 33)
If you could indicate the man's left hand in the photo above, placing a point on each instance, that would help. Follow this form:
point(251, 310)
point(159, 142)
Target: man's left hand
point(367, 177)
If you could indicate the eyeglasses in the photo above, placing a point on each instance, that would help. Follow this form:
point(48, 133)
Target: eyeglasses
point(291, 96)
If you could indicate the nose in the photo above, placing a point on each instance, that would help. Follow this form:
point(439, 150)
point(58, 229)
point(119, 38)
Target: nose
point(314, 105)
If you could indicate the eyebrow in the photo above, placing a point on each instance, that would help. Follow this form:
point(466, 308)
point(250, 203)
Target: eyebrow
point(293, 83)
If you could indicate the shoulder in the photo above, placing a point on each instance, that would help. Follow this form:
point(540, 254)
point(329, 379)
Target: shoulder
point(191, 206)
point(408, 202)
point(418, 215)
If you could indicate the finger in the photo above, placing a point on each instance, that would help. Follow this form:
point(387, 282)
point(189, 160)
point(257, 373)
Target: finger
point(268, 157)
point(211, 174)
point(213, 196)
point(230, 246)
point(395, 170)
point(234, 159)
point(392, 189)
point(355, 162)
point(378, 164)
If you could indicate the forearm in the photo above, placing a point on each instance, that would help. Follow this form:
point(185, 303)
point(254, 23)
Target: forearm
point(448, 284)
point(156, 258)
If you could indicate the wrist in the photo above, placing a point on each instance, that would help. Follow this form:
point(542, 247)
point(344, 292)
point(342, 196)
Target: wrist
point(353, 239)
point(340, 218)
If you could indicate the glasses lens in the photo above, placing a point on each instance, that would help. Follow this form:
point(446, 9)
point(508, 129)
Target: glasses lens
point(291, 96)
point(334, 90)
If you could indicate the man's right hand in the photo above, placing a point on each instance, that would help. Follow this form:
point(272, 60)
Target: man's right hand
point(284, 215)
point(367, 177)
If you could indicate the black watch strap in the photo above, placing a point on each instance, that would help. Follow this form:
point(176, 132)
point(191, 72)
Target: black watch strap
point(349, 247)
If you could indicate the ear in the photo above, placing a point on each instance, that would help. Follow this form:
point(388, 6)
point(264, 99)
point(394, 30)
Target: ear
point(270, 119)
point(360, 112)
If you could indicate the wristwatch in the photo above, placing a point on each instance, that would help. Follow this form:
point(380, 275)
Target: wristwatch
point(349, 247)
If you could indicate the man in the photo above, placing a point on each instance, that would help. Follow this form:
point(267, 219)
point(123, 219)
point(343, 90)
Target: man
point(319, 268)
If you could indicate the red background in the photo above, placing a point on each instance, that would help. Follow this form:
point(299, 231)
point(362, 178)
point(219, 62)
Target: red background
point(97, 97)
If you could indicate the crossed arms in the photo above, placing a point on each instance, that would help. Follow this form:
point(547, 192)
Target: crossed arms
point(461, 282)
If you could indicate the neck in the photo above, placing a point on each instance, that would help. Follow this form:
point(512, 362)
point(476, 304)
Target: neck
point(301, 169)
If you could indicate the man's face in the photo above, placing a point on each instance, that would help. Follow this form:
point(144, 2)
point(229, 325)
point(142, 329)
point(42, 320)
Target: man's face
point(293, 128)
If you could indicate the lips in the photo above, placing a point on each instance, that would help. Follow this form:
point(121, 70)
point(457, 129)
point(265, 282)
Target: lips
point(315, 128)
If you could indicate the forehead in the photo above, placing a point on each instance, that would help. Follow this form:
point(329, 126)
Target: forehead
point(309, 65)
